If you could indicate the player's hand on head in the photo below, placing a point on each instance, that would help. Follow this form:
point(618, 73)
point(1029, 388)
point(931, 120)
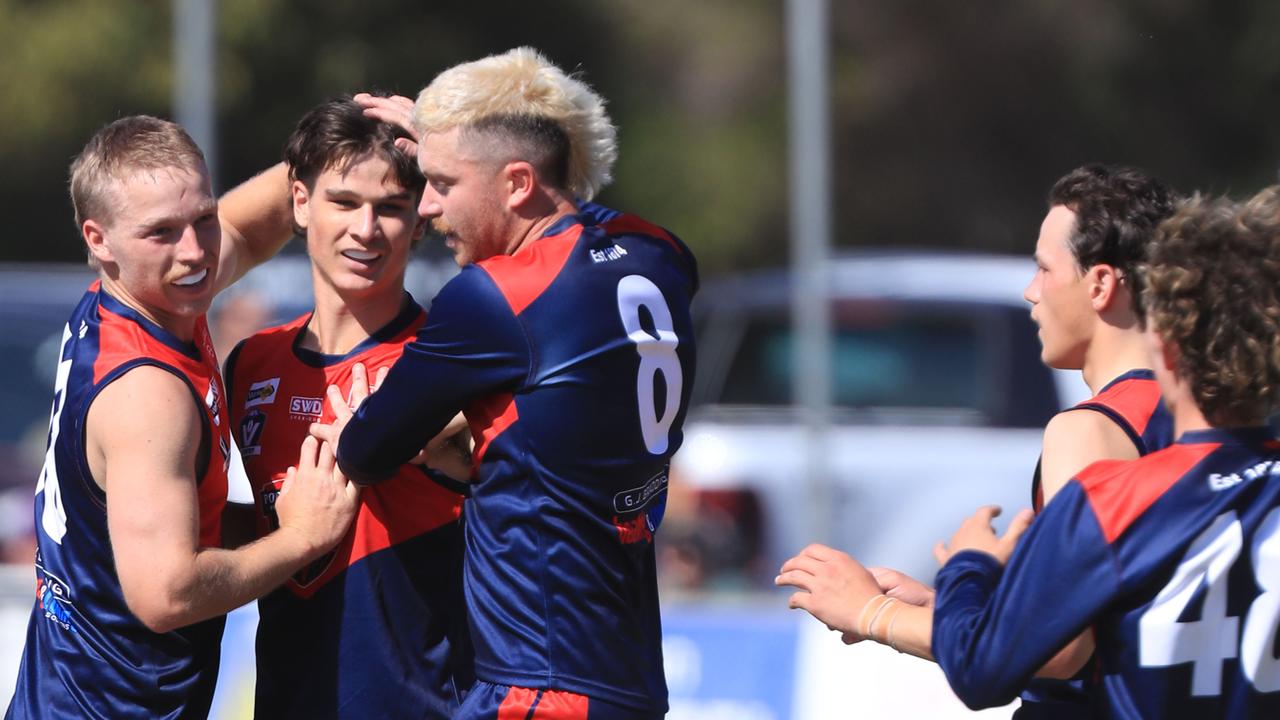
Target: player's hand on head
point(396, 110)
point(899, 585)
point(831, 586)
point(976, 533)
point(316, 501)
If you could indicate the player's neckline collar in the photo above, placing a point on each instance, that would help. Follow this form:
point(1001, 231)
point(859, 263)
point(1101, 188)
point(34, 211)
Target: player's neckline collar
point(1135, 374)
point(409, 312)
point(117, 307)
point(1233, 436)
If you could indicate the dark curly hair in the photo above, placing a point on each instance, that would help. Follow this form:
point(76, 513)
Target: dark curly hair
point(1117, 210)
point(1212, 276)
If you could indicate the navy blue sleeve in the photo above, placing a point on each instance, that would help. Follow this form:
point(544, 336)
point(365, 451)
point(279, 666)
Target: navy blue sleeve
point(992, 631)
point(472, 345)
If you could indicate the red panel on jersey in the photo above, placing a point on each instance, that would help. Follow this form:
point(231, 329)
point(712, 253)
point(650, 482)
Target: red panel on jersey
point(1135, 401)
point(632, 225)
point(1121, 490)
point(522, 277)
point(123, 340)
point(286, 394)
point(489, 417)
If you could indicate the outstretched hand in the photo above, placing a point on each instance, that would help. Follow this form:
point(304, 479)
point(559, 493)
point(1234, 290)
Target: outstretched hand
point(396, 110)
point(832, 586)
point(976, 533)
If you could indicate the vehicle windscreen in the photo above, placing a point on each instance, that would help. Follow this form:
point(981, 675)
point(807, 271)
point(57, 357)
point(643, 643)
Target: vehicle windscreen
point(973, 363)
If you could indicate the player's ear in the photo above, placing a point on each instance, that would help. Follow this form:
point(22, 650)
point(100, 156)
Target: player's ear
point(1105, 285)
point(95, 238)
point(520, 181)
point(301, 198)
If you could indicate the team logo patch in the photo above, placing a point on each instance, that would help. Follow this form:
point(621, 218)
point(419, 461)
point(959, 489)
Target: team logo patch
point(305, 408)
point(262, 392)
point(251, 433)
point(54, 598)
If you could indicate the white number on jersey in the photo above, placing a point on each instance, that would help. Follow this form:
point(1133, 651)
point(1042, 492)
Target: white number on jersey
point(1260, 625)
point(1213, 639)
point(657, 355)
point(54, 517)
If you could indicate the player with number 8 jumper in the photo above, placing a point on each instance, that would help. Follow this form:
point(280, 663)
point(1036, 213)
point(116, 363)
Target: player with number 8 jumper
point(566, 340)
point(1173, 559)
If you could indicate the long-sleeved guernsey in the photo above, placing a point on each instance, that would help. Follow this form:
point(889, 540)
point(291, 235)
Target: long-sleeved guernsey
point(1173, 558)
point(573, 361)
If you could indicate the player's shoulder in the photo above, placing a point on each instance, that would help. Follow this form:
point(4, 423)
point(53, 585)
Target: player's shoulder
point(147, 399)
point(1120, 491)
point(1133, 395)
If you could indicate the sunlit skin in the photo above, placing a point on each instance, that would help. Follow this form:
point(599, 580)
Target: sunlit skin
point(462, 200)
point(360, 225)
point(1059, 296)
point(159, 248)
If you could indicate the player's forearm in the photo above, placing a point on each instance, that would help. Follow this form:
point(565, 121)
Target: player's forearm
point(964, 643)
point(258, 217)
point(908, 629)
point(1069, 659)
point(219, 581)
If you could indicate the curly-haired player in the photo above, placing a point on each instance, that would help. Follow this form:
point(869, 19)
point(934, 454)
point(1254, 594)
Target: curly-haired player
point(1085, 298)
point(1174, 558)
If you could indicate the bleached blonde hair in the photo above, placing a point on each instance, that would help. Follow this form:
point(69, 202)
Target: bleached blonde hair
point(509, 100)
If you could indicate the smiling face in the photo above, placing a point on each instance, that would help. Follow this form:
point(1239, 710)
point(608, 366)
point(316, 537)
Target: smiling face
point(159, 249)
point(1059, 296)
point(463, 198)
point(360, 224)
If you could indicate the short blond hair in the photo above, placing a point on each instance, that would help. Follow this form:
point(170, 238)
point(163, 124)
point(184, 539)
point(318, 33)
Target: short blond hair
point(509, 99)
point(120, 149)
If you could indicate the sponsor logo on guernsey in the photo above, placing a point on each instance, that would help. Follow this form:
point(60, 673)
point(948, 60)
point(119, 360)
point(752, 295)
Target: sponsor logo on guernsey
point(648, 503)
point(270, 493)
point(638, 498)
point(617, 252)
point(262, 392)
point(1218, 481)
point(305, 408)
point(53, 595)
point(251, 433)
point(211, 401)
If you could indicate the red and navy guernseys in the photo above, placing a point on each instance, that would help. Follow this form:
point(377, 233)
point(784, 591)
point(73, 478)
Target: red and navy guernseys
point(1132, 401)
point(1174, 558)
point(375, 628)
point(86, 654)
point(573, 359)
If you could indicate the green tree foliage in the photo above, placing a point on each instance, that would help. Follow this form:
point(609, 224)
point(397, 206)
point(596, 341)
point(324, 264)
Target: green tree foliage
point(950, 119)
